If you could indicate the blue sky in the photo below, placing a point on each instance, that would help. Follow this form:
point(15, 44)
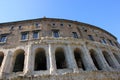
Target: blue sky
point(102, 13)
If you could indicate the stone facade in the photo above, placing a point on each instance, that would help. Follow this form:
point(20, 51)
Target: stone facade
point(57, 49)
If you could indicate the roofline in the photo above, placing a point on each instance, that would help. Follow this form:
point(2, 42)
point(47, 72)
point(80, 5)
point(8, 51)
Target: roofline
point(72, 21)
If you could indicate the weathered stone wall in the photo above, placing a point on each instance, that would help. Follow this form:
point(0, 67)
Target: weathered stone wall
point(107, 56)
point(46, 26)
point(50, 44)
point(94, 75)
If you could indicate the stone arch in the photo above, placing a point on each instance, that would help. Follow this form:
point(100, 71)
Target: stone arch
point(108, 58)
point(78, 58)
point(1, 58)
point(117, 57)
point(60, 58)
point(19, 57)
point(95, 59)
point(40, 59)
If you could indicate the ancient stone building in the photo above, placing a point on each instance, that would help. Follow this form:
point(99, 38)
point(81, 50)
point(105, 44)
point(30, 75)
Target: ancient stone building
point(57, 49)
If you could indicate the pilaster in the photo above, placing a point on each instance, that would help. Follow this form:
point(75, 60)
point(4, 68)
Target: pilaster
point(28, 58)
point(6, 64)
point(88, 63)
point(70, 58)
point(113, 59)
point(102, 61)
point(52, 59)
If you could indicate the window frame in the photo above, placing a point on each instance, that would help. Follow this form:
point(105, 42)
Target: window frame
point(90, 37)
point(54, 34)
point(37, 25)
point(34, 36)
point(75, 35)
point(103, 41)
point(3, 38)
point(25, 38)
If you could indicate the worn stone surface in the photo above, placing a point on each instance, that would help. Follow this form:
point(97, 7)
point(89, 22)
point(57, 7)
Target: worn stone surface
point(107, 56)
point(75, 76)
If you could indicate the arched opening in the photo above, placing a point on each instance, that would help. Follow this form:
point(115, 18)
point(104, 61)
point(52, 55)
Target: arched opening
point(1, 58)
point(95, 59)
point(108, 59)
point(60, 59)
point(78, 58)
point(40, 60)
point(19, 60)
point(117, 57)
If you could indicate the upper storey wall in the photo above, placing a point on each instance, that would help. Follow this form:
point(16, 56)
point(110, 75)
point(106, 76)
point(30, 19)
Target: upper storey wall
point(46, 27)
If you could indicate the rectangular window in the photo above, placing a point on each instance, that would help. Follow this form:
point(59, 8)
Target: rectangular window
point(103, 41)
point(111, 43)
point(75, 35)
point(91, 37)
point(37, 25)
point(56, 33)
point(35, 35)
point(20, 27)
point(3, 38)
point(24, 36)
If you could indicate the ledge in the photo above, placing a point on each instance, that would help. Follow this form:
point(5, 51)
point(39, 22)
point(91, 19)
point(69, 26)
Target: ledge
point(24, 40)
point(2, 42)
point(86, 75)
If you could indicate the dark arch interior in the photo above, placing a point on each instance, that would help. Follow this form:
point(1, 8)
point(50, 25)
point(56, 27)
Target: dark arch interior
point(60, 59)
point(95, 59)
point(40, 60)
point(19, 61)
point(108, 58)
point(78, 58)
point(117, 57)
point(1, 58)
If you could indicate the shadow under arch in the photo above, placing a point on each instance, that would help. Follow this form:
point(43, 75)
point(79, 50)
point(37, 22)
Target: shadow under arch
point(95, 59)
point(78, 57)
point(40, 59)
point(108, 58)
point(1, 58)
point(19, 56)
point(117, 57)
point(60, 58)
